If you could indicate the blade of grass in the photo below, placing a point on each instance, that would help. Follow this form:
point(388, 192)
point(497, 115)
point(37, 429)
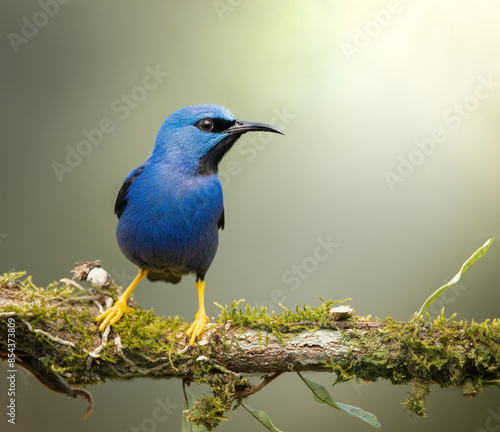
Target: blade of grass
point(466, 265)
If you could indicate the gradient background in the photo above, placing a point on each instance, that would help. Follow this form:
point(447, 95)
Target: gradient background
point(354, 117)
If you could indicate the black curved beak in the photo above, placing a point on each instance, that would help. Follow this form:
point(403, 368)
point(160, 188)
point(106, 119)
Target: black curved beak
point(241, 127)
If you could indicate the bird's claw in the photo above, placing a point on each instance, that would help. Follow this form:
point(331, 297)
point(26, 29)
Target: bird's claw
point(113, 314)
point(197, 327)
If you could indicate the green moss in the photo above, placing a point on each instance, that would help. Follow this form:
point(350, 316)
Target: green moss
point(30, 300)
point(441, 351)
point(149, 335)
point(226, 393)
point(416, 401)
point(41, 308)
point(211, 409)
point(288, 321)
point(146, 338)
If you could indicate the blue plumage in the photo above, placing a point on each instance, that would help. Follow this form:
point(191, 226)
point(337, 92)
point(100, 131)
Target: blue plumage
point(169, 223)
point(171, 207)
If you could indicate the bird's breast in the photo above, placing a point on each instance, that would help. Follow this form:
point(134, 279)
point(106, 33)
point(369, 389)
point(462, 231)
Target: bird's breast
point(171, 221)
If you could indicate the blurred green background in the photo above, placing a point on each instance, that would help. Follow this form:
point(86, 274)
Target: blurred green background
point(355, 87)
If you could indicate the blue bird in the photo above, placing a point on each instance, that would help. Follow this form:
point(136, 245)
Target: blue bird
point(170, 208)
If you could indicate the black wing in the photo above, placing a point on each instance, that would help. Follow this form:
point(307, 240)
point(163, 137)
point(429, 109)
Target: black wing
point(220, 224)
point(121, 199)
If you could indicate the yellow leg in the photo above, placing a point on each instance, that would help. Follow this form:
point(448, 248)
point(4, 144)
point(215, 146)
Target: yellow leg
point(201, 318)
point(112, 315)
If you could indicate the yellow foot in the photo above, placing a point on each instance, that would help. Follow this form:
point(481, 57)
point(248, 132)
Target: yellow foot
point(196, 329)
point(112, 315)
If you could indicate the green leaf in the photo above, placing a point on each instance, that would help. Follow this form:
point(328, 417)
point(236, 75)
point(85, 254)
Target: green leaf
point(359, 413)
point(473, 258)
point(189, 401)
point(261, 417)
point(322, 396)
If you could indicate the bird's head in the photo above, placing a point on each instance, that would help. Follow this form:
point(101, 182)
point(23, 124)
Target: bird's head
point(198, 136)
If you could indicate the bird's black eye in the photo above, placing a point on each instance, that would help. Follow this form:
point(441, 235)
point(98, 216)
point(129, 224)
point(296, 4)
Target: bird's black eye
point(205, 125)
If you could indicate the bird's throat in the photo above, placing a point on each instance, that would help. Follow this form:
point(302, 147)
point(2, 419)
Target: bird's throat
point(209, 162)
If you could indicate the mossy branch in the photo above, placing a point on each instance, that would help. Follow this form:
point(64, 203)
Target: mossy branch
point(57, 339)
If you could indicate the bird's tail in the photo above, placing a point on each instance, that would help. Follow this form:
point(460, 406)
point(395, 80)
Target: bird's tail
point(154, 276)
